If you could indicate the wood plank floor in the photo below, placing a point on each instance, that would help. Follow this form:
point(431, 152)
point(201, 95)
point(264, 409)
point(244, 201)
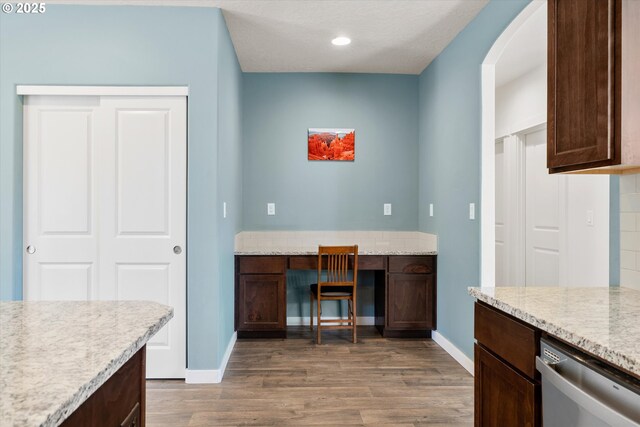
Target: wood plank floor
point(378, 381)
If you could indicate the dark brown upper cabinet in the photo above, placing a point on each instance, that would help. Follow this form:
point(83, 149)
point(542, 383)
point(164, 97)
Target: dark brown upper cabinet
point(593, 86)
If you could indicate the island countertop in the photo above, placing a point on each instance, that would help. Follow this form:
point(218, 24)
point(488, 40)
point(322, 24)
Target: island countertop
point(54, 355)
point(304, 252)
point(601, 321)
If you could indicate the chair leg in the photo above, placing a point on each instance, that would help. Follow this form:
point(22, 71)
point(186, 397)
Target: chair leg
point(319, 322)
point(311, 311)
point(355, 321)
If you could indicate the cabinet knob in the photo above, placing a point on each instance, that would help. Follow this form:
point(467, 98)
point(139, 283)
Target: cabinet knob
point(31, 249)
point(177, 250)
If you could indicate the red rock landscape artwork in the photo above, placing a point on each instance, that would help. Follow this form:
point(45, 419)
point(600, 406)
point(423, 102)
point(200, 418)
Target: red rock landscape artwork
point(331, 144)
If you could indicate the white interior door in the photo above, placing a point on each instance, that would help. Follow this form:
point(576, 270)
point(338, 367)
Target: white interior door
point(543, 194)
point(105, 207)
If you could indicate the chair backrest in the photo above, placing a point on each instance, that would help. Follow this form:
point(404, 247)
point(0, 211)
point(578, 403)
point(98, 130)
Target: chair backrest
point(335, 261)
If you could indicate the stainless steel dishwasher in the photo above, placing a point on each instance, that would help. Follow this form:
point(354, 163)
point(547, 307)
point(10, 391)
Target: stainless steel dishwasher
point(578, 390)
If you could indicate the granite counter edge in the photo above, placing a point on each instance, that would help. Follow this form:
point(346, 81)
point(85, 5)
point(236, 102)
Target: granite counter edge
point(87, 389)
point(616, 358)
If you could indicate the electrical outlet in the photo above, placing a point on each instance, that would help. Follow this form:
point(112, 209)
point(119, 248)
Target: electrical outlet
point(590, 218)
point(387, 208)
point(224, 209)
point(271, 208)
point(430, 209)
point(472, 211)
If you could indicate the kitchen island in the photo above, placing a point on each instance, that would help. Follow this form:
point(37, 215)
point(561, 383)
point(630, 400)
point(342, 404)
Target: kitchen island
point(600, 321)
point(70, 363)
point(513, 324)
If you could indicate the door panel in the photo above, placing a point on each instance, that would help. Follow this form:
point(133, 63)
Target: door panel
point(65, 171)
point(143, 138)
point(105, 206)
point(65, 281)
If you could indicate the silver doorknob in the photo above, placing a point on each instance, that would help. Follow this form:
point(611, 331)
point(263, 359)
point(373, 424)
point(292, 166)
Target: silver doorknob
point(31, 249)
point(177, 250)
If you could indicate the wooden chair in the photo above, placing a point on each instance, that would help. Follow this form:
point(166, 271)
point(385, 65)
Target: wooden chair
point(334, 260)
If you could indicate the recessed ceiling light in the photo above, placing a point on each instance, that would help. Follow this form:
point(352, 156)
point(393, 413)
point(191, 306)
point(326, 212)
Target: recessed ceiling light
point(341, 41)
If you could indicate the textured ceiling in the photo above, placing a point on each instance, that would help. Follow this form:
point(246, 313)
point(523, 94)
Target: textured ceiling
point(389, 36)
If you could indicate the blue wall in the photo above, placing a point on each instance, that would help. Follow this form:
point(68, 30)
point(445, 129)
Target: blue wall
point(450, 145)
point(96, 45)
point(230, 85)
point(324, 195)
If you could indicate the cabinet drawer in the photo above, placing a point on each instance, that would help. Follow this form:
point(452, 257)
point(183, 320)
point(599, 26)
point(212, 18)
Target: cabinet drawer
point(411, 264)
point(262, 264)
point(309, 262)
point(371, 262)
point(510, 339)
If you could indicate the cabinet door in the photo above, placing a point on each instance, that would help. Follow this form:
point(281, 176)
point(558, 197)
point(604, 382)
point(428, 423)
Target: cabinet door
point(582, 69)
point(502, 396)
point(262, 302)
point(410, 300)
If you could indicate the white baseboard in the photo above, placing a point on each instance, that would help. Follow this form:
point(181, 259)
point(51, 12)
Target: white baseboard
point(454, 351)
point(211, 376)
point(300, 321)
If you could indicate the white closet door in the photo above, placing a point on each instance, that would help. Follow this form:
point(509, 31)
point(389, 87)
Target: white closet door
point(60, 200)
point(143, 192)
point(543, 197)
point(105, 207)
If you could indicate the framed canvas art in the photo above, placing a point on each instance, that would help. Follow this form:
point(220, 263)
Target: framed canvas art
point(331, 144)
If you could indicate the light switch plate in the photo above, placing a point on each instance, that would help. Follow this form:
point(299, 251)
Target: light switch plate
point(430, 209)
point(224, 209)
point(590, 218)
point(472, 211)
point(387, 208)
point(271, 208)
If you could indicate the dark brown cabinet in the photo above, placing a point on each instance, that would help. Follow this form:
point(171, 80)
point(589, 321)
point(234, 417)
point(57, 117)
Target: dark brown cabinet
point(120, 401)
point(404, 288)
point(507, 385)
point(261, 299)
point(410, 301)
point(262, 306)
point(409, 306)
point(593, 92)
point(503, 397)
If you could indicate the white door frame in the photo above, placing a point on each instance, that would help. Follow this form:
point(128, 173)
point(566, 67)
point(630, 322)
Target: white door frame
point(514, 204)
point(487, 191)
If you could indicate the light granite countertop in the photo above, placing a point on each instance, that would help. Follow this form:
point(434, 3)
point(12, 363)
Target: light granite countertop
point(315, 252)
point(601, 321)
point(54, 355)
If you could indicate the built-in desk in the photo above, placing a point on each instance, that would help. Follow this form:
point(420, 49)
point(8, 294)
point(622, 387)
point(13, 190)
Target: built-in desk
point(405, 292)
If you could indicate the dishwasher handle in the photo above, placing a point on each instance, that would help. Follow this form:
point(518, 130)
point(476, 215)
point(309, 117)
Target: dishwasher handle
point(582, 398)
